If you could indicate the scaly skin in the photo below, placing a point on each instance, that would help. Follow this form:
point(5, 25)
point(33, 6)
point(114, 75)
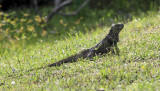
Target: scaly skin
point(103, 47)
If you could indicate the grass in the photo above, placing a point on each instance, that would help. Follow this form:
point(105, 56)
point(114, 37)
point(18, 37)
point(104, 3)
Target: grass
point(136, 69)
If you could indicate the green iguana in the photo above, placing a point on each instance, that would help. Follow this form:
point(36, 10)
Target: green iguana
point(103, 47)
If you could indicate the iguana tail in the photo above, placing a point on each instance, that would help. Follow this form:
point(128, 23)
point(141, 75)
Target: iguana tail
point(66, 60)
point(74, 58)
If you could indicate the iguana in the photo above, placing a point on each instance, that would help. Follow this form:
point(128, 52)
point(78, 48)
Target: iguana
point(106, 45)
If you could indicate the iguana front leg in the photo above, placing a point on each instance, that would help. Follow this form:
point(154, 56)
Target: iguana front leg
point(117, 49)
point(112, 50)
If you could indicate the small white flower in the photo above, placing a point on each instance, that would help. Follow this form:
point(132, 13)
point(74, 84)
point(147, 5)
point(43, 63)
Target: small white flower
point(13, 82)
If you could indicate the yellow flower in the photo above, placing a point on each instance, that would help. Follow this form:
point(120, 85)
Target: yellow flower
point(0, 6)
point(78, 21)
point(64, 25)
point(1, 25)
point(1, 13)
point(26, 14)
point(5, 14)
point(30, 28)
point(30, 21)
point(44, 33)
point(13, 22)
point(7, 31)
point(61, 21)
point(21, 29)
point(38, 19)
point(143, 66)
point(23, 20)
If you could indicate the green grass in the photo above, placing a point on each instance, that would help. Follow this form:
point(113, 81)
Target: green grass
point(136, 69)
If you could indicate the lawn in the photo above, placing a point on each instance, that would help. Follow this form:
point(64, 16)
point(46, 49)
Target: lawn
point(136, 69)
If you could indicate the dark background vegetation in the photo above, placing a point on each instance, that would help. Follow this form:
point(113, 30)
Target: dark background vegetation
point(126, 5)
point(100, 12)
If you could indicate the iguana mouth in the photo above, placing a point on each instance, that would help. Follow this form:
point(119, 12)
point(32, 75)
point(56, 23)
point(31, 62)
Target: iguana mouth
point(121, 26)
point(117, 27)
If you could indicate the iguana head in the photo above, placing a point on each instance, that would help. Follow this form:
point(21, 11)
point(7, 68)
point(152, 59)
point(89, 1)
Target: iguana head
point(116, 28)
point(114, 31)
